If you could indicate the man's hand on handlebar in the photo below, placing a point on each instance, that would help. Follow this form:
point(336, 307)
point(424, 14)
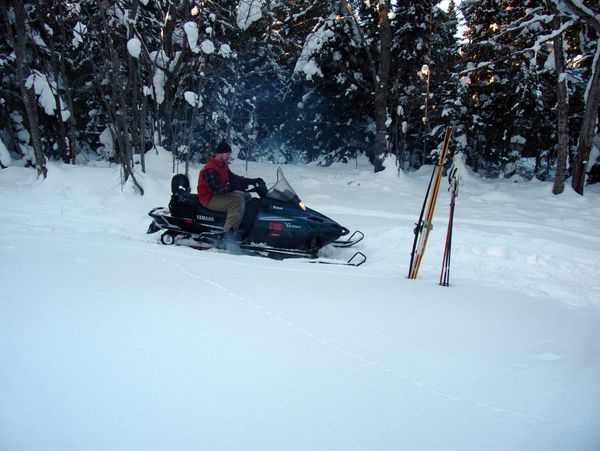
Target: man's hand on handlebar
point(254, 182)
point(258, 186)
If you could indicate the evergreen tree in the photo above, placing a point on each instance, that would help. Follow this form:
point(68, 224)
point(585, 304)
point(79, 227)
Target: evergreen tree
point(440, 72)
point(300, 80)
point(447, 87)
point(324, 122)
point(505, 94)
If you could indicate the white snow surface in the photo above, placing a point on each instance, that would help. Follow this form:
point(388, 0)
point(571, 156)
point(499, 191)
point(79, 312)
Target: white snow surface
point(225, 50)
point(107, 149)
point(45, 89)
point(5, 158)
point(313, 45)
point(79, 32)
point(207, 46)
point(248, 12)
point(134, 47)
point(111, 340)
point(191, 31)
point(192, 98)
point(159, 80)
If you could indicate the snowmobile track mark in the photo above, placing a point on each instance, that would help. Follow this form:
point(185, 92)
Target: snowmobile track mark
point(431, 391)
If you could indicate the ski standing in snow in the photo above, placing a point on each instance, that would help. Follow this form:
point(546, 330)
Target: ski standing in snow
point(424, 224)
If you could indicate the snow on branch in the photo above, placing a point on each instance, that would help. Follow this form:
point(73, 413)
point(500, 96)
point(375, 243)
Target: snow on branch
point(191, 31)
point(537, 45)
point(134, 47)
point(79, 32)
point(579, 9)
point(248, 12)
point(548, 37)
point(46, 91)
point(313, 44)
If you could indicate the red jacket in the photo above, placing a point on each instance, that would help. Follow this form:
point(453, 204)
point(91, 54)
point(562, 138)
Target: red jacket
point(222, 170)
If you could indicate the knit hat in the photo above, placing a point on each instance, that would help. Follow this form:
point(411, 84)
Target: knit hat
point(223, 147)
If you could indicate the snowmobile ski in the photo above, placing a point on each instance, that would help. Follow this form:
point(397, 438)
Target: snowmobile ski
point(355, 238)
point(356, 260)
point(209, 241)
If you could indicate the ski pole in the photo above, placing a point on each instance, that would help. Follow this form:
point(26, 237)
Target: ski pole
point(445, 274)
point(454, 181)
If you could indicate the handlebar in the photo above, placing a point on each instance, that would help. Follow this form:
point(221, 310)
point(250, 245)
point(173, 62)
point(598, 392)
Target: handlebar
point(259, 188)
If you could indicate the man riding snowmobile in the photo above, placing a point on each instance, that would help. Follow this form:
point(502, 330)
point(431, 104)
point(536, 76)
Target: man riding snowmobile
point(221, 190)
point(276, 224)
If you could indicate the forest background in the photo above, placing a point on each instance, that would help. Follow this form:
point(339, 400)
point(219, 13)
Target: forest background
point(301, 81)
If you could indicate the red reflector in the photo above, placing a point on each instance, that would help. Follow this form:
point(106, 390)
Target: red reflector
point(189, 221)
point(275, 226)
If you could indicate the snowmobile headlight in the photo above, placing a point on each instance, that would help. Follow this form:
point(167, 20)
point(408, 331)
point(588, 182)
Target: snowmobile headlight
point(301, 205)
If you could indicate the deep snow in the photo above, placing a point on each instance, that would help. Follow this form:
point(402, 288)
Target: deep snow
point(110, 340)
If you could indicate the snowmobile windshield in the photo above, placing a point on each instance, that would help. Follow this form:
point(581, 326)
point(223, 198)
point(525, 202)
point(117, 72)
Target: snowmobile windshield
point(283, 191)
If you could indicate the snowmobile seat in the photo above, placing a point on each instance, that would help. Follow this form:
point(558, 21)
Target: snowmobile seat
point(187, 205)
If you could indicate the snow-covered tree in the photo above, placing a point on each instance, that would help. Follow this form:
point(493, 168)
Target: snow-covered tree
point(303, 80)
point(510, 118)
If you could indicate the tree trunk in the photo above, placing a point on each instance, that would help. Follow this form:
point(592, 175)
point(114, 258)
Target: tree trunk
point(62, 130)
point(136, 102)
point(588, 126)
point(382, 85)
point(562, 108)
point(191, 127)
point(592, 100)
point(67, 129)
point(426, 74)
point(72, 129)
point(118, 106)
point(380, 76)
point(11, 132)
point(19, 46)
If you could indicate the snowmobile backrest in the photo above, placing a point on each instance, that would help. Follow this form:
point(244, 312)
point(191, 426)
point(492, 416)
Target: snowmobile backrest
point(180, 183)
point(184, 205)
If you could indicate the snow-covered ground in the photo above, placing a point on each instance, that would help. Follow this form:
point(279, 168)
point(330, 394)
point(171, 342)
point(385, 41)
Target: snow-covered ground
point(110, 340)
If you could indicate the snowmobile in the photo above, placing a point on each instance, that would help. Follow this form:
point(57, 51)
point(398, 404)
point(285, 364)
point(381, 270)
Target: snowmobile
point(276, 224)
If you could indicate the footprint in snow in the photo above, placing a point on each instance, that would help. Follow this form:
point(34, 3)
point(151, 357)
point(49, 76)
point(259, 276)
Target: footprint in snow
point(543, 356)
point(549, 357)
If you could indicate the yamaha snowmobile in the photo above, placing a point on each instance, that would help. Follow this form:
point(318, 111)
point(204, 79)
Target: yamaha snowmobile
point(276, 224)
